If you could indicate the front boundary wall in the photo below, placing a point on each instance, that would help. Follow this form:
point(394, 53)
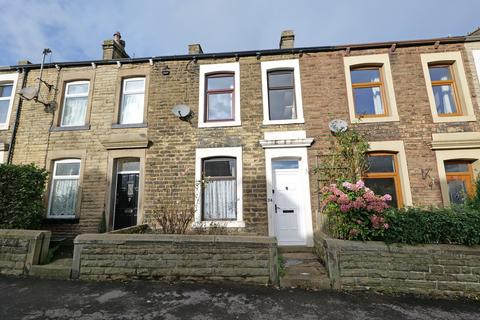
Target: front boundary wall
point(438, 270)
point(176, 257)
point(20, 249)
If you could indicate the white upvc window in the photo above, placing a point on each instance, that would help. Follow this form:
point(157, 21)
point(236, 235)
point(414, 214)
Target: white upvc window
point(133, 101)
point(75, 104)
point(8, 84)
point(64, 189)
point(218, 194)
point(219, 95)
point(282, 93)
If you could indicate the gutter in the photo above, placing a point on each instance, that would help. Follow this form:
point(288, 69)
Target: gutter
point(17, 118)
point(258, 53)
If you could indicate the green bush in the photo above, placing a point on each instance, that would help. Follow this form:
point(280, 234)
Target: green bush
point(455, 225)
point(21, 192)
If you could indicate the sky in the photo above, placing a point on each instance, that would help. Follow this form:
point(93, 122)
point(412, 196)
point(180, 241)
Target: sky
point(75, 29)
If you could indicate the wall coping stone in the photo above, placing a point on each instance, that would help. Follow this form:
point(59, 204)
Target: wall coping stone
point(23, 234)
point(395, 247)
point(174, 238)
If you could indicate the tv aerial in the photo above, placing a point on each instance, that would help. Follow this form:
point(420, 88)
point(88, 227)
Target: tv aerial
point(32, 93)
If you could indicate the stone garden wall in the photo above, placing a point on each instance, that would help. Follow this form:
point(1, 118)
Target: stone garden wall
point(20, 249)
point(185, 257)
point(445, 270)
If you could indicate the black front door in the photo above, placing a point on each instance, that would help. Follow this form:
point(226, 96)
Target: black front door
point(126, 201)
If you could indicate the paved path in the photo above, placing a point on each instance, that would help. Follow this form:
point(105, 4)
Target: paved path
point(49, 299)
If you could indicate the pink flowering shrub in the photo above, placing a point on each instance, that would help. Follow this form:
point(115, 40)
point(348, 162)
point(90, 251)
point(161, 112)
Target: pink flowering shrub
point(355, 212)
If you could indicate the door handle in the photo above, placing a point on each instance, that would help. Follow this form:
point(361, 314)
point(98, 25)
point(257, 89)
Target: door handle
point(275, 208)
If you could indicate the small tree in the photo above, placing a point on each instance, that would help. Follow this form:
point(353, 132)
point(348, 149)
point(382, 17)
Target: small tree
point(21, 193)
point(346, 159)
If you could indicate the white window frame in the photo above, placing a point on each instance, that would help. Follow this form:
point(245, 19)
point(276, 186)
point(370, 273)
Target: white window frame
point(202, 153)
point(2, 156)
point(375, 59)
point(218, 68)
point(78, 95)
point(9, 78)
point(459, 75)
point(127, 92)
point(267, 66)
point(54, 177)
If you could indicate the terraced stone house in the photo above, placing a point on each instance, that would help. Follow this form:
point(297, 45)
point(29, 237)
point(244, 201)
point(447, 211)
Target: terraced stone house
point(115, 152)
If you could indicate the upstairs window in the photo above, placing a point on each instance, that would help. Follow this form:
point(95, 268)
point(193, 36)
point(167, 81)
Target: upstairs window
point(444, 90)
point(459, 180)
point(281, 92)
point(383, 176)
point(368, 92)
point(6, 96)
point(64, 188)
point(219, 97)
point(447, 87)
point(281, 95)
point(219, 189)
point(132, 101)
point(75, 104)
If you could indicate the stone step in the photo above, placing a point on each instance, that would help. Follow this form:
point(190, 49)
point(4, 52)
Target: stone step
point(303, 256)
point(59, 269)
point(295, 249)
point(304, 270)
point(305, 282)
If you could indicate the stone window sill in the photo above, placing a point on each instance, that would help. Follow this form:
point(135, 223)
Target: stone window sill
point(131, 125)
point(50, 220)
point(73, 128)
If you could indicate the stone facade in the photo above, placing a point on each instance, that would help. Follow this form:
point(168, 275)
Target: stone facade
point(167, 145)
point(20, 249)
point(169, 257)
point(442, 270)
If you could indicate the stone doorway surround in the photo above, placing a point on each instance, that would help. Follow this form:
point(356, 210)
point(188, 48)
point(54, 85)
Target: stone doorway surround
point(289, 144)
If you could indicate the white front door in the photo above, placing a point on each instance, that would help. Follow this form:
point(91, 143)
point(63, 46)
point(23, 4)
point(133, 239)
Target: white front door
point(287, 203)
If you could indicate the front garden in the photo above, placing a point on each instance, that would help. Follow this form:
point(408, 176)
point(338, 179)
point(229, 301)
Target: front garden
point(354, 212)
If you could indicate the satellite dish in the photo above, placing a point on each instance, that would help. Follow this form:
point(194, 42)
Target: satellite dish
point(181, 111)
point(29, 93)
point(338, 125)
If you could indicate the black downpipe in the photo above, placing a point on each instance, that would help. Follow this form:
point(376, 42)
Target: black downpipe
point(17, 118)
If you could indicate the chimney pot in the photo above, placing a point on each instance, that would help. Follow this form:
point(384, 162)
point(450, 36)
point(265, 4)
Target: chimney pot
point(287, 39)
point(114, 49)
point(195, 48)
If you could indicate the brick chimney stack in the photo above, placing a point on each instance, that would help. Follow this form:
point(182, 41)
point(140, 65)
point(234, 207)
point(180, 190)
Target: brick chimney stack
point(114, 49)
point(287, 40)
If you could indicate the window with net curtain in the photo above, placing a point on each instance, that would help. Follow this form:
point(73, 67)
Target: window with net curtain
point(219, 189)
point(64, 188)
point(5, 98)
point(444, 90)
point(220, 90)
point(133, 100)
point(281, 95)
point(75, 104)
point(367, 86)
